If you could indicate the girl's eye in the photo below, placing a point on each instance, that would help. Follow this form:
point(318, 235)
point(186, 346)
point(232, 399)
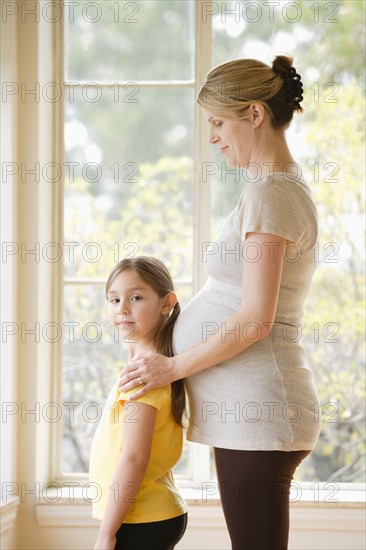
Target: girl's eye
point(136, 298)
point(114, 301)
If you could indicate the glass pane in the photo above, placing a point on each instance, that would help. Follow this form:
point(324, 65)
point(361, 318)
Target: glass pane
point(227, 185)
point(119, 40)
point(319, 37)
point(92, 361)
point(183, 469)
point(128, 123)
point(129, 182)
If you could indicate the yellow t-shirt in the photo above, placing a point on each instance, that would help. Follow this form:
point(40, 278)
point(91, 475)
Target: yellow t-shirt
point(158, 497)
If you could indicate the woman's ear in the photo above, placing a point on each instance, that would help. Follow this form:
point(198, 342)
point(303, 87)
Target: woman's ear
point(169, 302)
point(256, 112)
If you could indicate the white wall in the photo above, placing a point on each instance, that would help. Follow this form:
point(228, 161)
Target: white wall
point(8, 301)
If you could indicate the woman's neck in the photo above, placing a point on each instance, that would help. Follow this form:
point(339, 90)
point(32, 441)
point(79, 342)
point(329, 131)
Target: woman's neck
point(273, 155)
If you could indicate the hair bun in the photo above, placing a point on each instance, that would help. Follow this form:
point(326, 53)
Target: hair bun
point(282, 66)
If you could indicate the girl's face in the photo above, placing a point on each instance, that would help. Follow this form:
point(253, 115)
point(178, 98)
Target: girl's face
point(235, 138)
point(134, 307)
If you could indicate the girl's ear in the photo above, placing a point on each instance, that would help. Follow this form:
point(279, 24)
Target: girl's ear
point(169, 302)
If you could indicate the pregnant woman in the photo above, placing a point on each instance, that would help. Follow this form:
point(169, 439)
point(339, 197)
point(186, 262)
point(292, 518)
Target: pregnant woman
point(251, 394)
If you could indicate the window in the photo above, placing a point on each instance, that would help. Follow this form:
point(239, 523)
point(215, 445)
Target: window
point(129, 144)
point(136, 153)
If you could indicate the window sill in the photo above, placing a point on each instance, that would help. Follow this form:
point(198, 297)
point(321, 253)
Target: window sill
point(301, 497)
point(66, 509)
point(8, 514)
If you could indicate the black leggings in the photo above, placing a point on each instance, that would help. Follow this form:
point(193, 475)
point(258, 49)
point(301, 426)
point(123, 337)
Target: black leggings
point(155, 535)
point(254, 489)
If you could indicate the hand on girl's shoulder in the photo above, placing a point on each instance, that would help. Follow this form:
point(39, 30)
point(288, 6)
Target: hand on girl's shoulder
point(156, 398)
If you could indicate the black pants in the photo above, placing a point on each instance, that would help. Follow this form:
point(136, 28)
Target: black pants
point(155, 535)
point(254, 489)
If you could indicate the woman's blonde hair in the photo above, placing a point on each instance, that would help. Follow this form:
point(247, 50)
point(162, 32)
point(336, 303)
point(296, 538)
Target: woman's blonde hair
point(232, 87)
point(155, 274)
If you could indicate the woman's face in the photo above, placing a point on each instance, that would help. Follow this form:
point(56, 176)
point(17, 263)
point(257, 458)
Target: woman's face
point(235, 138)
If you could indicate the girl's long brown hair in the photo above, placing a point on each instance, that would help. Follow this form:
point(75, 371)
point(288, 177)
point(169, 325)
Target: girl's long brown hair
point(156, 275)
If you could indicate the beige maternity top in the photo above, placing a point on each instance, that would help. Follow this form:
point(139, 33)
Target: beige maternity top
point(263, 398)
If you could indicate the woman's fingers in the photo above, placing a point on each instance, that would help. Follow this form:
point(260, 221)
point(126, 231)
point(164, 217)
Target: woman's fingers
point(133, 378)
point(151, 369)
point(129, 377)
point(142, 391)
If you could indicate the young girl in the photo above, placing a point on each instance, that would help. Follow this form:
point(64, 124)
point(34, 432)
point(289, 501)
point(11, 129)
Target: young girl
point(137, 444)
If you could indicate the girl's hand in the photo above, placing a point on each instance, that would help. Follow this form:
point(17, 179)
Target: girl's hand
point(105, 543)
point(152, 369)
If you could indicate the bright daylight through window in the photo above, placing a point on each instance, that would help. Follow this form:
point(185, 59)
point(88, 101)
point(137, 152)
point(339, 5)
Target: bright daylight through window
point(130, 148)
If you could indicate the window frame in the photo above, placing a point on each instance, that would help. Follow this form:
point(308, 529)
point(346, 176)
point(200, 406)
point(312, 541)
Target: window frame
point(203, 153)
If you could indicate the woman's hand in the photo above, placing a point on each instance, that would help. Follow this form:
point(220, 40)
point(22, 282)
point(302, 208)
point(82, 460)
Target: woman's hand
point(151, 369)
point(105, 543)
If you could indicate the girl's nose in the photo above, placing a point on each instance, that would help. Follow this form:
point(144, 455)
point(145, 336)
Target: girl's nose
point(123, 308)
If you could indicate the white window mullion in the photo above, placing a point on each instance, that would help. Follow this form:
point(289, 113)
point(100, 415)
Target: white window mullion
point(200, 454)
point(203, 49)
point(59, 233)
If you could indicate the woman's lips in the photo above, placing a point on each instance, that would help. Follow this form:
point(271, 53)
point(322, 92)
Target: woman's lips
point(222, 149)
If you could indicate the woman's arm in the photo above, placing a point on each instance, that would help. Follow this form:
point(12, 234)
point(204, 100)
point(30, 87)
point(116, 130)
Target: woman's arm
point(252, 322)
point(138, 432)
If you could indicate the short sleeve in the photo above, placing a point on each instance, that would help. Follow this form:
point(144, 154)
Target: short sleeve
point(155, 398)
point(266, 207)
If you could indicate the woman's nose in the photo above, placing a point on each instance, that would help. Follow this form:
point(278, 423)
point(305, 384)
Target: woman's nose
point(213, 138)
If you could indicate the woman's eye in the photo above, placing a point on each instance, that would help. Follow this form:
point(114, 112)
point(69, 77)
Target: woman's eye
point(218, 124)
